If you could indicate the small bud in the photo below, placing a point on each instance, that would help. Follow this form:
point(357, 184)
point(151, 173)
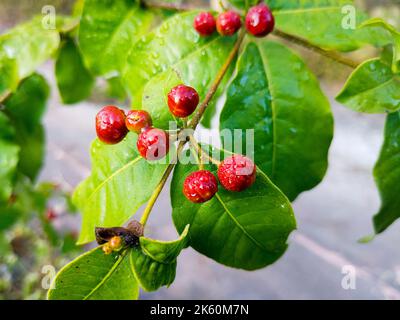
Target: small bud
point(107, 249)
point(115, 243)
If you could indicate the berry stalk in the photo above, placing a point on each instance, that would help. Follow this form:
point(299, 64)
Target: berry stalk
point(193, 125)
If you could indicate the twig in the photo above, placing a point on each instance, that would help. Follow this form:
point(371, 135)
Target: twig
point(193, 124)
point(329, 54)
point(214, 87)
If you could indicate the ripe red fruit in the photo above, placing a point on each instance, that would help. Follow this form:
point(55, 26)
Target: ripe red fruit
point(237, 173)
point(228, 23)
point(182, 101)
point(153, 143)
point(136, 120)
point(204, 23)
point(260, 21)
point(110, 125)
point(200, 186)
point(50, 214)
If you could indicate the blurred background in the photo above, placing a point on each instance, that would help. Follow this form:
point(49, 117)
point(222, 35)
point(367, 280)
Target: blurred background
point(331, 218)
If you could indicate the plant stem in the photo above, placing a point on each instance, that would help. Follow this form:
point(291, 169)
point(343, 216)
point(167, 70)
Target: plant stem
point(214, 87)
point(329, 54)
point(201, 152)
point(193, 124)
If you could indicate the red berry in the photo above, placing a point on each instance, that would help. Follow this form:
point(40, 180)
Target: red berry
point(136, 120)
point(237, 173)
point(228, 23)
point(110, 125)
point(204, 23)
point(200, 186)
point(153, 143)
point(182, 101)
point(50, 215)
point(260, 21)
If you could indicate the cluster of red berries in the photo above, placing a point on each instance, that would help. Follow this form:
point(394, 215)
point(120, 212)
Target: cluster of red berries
point(235, 173)
point(259, 22)
point(112, 124)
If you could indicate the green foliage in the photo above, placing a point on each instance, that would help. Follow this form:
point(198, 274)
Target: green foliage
point(387, 175)
point(108, 29)
point(118, 276)
point(142, 53)
point(243, 4)
point(372, 88)
point(326, 23)
point(25, 109)
point(74, 81)
point(173, 48)
point(23, 49)
point(8, 158)
point(95, 276)
point(291, 117)
point(119, 173)
point(230, 230)
point(396, 39)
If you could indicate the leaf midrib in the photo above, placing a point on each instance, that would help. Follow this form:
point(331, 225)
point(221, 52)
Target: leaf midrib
point(112, 176)
point(268, 76)
point(230, 214)
point(107, 276)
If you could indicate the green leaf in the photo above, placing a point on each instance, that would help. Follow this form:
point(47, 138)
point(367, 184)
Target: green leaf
point(387, 175)
point(246, 230)
point(8, 76)
point(323, 23)
point(29, 45)
point(243, 4)
point(8, 216)
point(108, 29)
point(154, 262)
point(377, 22)
point(174, 48)
point(74, 81)
point(121, 181)
point(25, 109)
point(9, 155)
point(164, 251)
point(96, 276)
point(275, 94)
point(151, 274)
point(371, 88)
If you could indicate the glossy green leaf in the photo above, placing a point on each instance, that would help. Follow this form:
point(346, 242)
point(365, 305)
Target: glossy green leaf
point(121, 181)
point(74, 81)
point(96, 276)
point(275, 94)
point(246, 230)
point(377, 22)
point(174, 47)
point(108, 29)
point(8, 158)
point(164, 251)
point(150, 273)
point(330, 24)
point(154, 262)
point(372, 88)
point(387, 175)
point(29, 44)
point(8, 76)
point(26, 108)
